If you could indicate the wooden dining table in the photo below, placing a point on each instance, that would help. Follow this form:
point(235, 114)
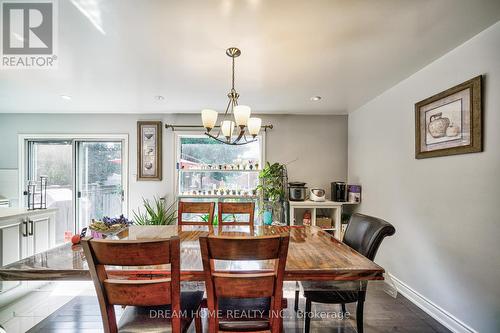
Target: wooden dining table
point(313, 255)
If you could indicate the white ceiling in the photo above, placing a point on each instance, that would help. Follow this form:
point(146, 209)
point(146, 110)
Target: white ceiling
point(115, 56)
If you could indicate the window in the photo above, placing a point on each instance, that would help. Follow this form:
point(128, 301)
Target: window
point(86, 178)
point(208, 168)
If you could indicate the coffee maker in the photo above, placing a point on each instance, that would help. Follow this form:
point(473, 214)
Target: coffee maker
point(339, 191)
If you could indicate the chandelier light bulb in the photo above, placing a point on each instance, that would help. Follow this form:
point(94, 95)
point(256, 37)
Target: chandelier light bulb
point(209, 118)
point(241, 115)
point(227, 128)
point(254, 125)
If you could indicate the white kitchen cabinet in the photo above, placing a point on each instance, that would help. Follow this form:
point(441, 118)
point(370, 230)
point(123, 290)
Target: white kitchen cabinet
point(23, 234)
point(37, 233)
point(10, 245)
point(10, 240)
point(41, 234)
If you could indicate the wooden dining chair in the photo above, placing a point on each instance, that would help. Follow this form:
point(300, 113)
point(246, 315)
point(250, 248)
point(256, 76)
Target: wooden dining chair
point(364, 234)
point(258, 291)
point(161, 296)
point(205, 208)
point(236, 208)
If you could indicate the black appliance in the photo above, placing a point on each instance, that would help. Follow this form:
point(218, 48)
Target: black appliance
point(297, 191)
point(339, 191)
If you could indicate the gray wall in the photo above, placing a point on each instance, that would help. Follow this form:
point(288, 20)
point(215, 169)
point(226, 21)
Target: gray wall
point(445, 209)
point(316, 144)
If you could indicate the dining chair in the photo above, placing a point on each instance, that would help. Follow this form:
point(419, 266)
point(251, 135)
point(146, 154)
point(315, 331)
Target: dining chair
point(364, 234)
point(205, 208)
point(236, 208)
point(141, 298)
point(258, 292)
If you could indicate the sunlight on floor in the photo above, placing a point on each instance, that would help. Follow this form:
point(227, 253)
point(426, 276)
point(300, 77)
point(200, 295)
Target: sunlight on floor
point(29, 310)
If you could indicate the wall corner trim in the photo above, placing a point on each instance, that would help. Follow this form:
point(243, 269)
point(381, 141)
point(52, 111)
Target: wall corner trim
point(442, 316)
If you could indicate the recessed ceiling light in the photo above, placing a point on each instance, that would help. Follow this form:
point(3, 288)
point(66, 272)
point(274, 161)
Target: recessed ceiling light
point(66, 97)
point(159, 97)
point(315, 98)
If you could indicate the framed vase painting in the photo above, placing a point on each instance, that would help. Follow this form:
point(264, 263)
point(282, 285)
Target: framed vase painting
point(450, 122)
point(149, 150)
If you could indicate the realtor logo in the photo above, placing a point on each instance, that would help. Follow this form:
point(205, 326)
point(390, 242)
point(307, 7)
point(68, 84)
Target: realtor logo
point(28, 34)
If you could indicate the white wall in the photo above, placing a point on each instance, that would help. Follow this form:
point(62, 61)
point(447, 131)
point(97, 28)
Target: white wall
point(318, 143)
point(446, 209)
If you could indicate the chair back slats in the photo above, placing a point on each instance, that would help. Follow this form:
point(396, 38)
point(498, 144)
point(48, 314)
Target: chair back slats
point(131, 253)
point(236, 208)
point(100, 253)
point(244, 287)
point(228, 248)
point(206, 208)
point(138, 293)
point(266, 283)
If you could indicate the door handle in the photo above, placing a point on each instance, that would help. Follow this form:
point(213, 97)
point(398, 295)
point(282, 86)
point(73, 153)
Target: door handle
point(25, 228)
point(31, 228)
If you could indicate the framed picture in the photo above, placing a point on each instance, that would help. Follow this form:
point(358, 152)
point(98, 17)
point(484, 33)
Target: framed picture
point(450, 122)
point(149, 150)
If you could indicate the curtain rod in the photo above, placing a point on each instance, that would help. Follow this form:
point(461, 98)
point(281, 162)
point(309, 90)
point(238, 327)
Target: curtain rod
point(173, 127)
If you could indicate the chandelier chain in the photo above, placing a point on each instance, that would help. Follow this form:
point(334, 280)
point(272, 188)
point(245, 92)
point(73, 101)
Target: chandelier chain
point(233, 77)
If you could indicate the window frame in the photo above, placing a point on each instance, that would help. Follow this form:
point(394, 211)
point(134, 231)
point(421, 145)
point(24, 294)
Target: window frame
point(178, 134)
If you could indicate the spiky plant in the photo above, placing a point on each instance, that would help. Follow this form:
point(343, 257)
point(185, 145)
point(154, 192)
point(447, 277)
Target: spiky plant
point(156, 213)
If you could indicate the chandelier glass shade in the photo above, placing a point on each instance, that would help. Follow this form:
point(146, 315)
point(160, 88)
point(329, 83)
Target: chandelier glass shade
point(236, 116)
point(209, 118)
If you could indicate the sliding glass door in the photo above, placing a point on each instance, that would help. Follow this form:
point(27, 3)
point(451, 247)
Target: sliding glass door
point(54, 159)
point(99, 180)
point(85, 179)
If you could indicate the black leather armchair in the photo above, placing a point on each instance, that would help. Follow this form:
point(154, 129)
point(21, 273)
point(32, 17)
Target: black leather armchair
point(364, 234)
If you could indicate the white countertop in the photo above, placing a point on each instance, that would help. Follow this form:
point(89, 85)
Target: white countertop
point(326, 203)
point(9, 212)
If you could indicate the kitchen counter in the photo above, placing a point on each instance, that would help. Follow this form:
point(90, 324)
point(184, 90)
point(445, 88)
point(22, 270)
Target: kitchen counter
point(10, 212)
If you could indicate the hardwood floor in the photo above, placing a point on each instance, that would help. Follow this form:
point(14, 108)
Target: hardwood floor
point(383, 313)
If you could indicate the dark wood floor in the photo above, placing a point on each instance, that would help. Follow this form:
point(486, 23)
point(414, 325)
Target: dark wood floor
point(383, 313)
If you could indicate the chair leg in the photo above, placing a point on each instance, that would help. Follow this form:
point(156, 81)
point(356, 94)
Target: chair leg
point(197, 321)
point(297, 295)
point(359, 315)
point(307, 314)
point(343, 309)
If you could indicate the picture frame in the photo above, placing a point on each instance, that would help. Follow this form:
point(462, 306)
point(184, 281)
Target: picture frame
point(450, 123)
point(149, 150)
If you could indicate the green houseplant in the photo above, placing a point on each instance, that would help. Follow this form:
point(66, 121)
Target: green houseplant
point(215, 220)
point(272, 188)
point(156, 213)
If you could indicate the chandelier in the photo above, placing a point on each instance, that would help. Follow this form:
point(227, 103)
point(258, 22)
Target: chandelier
point(241, 114)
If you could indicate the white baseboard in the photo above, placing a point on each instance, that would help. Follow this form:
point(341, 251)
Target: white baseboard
point(445, 318)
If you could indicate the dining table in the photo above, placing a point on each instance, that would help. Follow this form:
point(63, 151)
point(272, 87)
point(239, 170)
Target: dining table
point(313, 255)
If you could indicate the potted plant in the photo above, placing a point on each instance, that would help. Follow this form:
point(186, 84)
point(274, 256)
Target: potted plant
point(272, 188)
point(156, 213)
